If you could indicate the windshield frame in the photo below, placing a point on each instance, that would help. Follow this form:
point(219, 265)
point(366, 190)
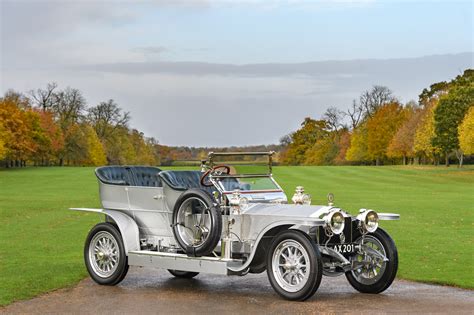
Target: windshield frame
point(216, 180)
point(210, 162)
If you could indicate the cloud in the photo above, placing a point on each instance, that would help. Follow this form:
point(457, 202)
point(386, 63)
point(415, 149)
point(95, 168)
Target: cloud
point(343, 70)
point(222, 104)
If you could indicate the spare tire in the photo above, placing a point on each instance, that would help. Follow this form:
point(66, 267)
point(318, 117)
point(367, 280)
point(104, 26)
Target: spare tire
point(197, 222)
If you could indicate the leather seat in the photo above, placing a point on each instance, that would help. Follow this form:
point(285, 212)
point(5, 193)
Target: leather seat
point(146, 176)
point(113, 175)
point(183, 180)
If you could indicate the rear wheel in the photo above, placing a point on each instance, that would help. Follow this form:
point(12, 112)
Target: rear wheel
point(374, 275)
point(104, 255)
point(183, 274)
point(294, 266)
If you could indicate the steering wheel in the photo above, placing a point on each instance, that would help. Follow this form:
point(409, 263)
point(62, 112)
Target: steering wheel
point(212, 170)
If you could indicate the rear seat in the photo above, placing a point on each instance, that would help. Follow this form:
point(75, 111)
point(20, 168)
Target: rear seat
point(183, 180)
point(146, 176)
point(113, 175)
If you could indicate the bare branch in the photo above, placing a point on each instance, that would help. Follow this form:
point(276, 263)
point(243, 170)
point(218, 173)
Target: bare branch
point(44, 98)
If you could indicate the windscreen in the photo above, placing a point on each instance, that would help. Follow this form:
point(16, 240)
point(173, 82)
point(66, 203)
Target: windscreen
point(244, 163)
point(247, 183)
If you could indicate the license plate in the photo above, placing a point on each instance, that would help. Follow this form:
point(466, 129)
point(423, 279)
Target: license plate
point(345, 248)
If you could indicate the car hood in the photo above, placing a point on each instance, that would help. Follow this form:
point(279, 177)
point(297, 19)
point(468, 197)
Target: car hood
point(286, 210)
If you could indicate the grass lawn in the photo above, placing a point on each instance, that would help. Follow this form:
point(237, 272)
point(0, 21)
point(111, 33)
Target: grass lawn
point(41, 242)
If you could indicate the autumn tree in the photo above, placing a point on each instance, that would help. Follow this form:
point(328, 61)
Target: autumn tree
point(343, 143)
point(358, 150)
point(425, 132)
point(16, 131)
point(402, 144)
point(334, 119)
point(107, 117)
point(69, 110)
point(450, 112)
point(95, 151)
point(381, 128)
point(144, 150)
point(3, 136)
point(303, 139)
point(109, 122)
point(322, 152)
point(355, 114)
point(466, 132)
point(371, 100)
point(53, 139)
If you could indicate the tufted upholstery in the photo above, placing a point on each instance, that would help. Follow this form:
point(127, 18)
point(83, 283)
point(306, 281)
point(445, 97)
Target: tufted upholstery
point(114, 175)
point(182, 180)
point(146, 176)
point(129, 175)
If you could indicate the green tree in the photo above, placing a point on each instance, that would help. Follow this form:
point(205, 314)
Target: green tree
point(450, 112)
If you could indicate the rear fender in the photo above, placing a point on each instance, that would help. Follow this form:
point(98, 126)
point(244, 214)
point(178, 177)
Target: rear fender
point(127, 226)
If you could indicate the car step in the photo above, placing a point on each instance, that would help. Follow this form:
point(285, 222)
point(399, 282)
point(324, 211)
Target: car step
point(214, 265)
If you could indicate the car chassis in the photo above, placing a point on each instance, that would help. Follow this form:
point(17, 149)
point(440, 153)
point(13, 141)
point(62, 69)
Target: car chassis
point(220, 222)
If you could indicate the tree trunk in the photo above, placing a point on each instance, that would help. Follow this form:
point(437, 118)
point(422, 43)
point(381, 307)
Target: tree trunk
point(377, 162)
point(404, 160)
point(460, 156)
point(447, 159)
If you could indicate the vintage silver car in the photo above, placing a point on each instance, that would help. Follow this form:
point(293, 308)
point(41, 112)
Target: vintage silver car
point(220, 221)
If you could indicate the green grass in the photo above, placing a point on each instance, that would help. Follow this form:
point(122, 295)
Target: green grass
point(435, 235)
point(41, 242)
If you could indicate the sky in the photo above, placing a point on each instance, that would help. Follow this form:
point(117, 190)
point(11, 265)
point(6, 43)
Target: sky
point(221, 73)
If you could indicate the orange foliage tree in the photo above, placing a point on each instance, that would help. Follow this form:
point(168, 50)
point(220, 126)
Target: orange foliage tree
point(402, 144)
point(381, 128)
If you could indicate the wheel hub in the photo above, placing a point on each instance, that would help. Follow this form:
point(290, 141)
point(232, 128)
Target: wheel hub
point(104, 254)
point(291, 266)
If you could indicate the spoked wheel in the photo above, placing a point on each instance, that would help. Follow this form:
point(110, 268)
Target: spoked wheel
point(373, 274)
point(183, 274)
point(294, 266)
point(197, 222)
point(104, 255)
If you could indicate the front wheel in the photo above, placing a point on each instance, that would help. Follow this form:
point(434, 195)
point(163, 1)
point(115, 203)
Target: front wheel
point(373, 274)
point(104, 255)
point(294, 266)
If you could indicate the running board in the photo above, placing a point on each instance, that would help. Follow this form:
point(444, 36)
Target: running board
point(214, 265)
